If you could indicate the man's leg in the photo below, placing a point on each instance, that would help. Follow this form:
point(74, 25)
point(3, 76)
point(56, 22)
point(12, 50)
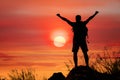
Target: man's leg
point(85, 50)
point(75, 51)
point(75, 58)
point(86, 58)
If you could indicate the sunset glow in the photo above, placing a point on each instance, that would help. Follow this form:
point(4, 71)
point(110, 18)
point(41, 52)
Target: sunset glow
point(31, 35)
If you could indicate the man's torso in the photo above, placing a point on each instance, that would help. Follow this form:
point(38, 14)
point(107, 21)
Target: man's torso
point(79, 30)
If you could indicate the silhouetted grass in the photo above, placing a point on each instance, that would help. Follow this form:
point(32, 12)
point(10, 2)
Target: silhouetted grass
point(109, 62)
point(3, 78)
point(26, 74)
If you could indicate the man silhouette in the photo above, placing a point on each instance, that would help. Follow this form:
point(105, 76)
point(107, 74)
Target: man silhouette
point(79, 38)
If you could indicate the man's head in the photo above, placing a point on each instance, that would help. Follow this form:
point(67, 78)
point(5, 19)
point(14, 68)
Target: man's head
point(78, 18)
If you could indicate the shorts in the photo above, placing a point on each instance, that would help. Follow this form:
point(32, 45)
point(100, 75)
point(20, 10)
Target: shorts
point(77, 44)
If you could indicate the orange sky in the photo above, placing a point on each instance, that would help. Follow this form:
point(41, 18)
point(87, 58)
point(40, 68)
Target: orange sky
point(26, 28)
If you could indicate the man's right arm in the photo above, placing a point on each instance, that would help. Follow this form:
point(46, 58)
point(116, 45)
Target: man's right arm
point(65, 19)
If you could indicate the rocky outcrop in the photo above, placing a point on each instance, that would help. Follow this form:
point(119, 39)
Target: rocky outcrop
point(85, 73)
point(57, 76)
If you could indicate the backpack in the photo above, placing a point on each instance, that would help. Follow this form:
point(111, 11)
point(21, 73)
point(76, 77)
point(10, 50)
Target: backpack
point(81, 29)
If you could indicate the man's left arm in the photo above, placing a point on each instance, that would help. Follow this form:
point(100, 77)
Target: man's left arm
point(91, 17)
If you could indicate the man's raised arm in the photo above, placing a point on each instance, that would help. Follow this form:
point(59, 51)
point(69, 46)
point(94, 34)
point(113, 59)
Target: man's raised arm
point(63, 18)
point(91, 17)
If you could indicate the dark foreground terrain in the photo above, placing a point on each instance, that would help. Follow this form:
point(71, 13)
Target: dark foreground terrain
point(85, 73)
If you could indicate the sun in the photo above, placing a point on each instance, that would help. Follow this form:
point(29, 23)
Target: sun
point(59, 41)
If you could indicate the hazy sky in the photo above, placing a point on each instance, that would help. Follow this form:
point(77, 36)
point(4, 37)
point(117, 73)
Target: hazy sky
point(27, 28)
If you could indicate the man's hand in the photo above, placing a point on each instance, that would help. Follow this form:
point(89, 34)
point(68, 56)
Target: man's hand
point(96, 12)
point(58, 14)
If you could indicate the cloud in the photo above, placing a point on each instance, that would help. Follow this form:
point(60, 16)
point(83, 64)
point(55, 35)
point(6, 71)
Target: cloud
point(45, 64)
point(47, 7)
point(22, 36)
point(5, 57)
point(30, 59)
point(23, 61)
point(28, 64)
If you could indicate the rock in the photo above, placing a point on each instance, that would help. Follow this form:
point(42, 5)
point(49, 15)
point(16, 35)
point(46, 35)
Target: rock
point(82, 73)
point(57, 76)
point(85, 73)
